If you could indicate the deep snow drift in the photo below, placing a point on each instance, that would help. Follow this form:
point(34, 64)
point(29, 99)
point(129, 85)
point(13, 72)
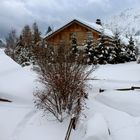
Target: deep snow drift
point(110, 115)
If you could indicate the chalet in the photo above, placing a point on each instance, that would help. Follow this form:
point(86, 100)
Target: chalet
point(81, 30)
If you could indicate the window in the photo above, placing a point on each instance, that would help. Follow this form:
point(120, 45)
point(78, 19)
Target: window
point(72, 35)
point(89, 36)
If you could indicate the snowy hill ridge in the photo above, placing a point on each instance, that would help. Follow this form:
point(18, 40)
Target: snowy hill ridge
point(126, 21)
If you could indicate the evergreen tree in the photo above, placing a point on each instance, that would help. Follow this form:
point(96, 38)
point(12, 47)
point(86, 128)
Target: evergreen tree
point(26, 36)
point(117, 39)
point(118, 49)
point(24, 55)
point(109, 50)
point(36, 33)
point(24, 49)
point(89, 52)
point(102, 50)
point(123, 55)
point(74, 49)
point(131, 43)
point(74, 45)
point(131, 50)
point(11, 41)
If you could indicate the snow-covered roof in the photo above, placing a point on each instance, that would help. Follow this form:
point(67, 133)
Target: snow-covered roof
point(91, 25)
point(97, 27)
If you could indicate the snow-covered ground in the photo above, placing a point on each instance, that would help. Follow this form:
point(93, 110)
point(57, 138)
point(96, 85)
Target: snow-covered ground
point(110, 115)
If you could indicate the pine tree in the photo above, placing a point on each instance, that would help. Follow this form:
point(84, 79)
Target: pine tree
point(74, 50)
point(26, 36)
point(117, 39)
point(24, 55)
point(102, 50)
point(11, 41)
point(74, 44)
point(118, 49)
point(36, 33)
point(131, 43)
point(24, 49)
point(131, 50)
point(89, 52)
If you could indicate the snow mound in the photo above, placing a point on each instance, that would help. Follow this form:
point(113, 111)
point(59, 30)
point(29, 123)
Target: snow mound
point(16, 83)
point(6, 63)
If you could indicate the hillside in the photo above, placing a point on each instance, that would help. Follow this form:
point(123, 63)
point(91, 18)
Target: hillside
point(126, 22)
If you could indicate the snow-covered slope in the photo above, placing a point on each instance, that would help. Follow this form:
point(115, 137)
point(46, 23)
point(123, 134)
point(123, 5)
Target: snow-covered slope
point(126, 22)
point(111, 115)
point(16, 83)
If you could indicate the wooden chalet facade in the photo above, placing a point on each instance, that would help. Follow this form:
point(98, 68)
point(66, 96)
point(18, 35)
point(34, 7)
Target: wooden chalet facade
point(80, 30)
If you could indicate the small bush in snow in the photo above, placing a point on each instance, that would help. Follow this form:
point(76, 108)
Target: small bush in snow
point(64, 81)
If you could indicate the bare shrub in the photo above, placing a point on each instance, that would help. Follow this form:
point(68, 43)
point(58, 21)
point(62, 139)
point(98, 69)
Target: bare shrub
point(64, 81)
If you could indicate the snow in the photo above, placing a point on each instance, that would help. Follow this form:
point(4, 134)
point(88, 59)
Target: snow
point(124, 40)
point(122, 100)
point(6, 63)
point(15, 80)
point(97, 27)
point(9, 118)
point(110, 115)
point(121, 72)
point(126, 22)
point(121, 125)
point(97, 128)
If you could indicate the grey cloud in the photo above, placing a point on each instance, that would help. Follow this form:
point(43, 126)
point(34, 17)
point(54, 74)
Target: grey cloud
point(16, 13)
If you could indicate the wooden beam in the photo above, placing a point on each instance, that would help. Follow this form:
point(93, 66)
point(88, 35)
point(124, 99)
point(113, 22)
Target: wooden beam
point(121, 89)
point(5, 100)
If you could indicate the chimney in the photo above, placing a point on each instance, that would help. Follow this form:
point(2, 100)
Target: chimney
point(98, 21)
point(49, 30)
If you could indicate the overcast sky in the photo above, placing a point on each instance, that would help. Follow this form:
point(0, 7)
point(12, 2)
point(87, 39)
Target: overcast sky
point(14, 14)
